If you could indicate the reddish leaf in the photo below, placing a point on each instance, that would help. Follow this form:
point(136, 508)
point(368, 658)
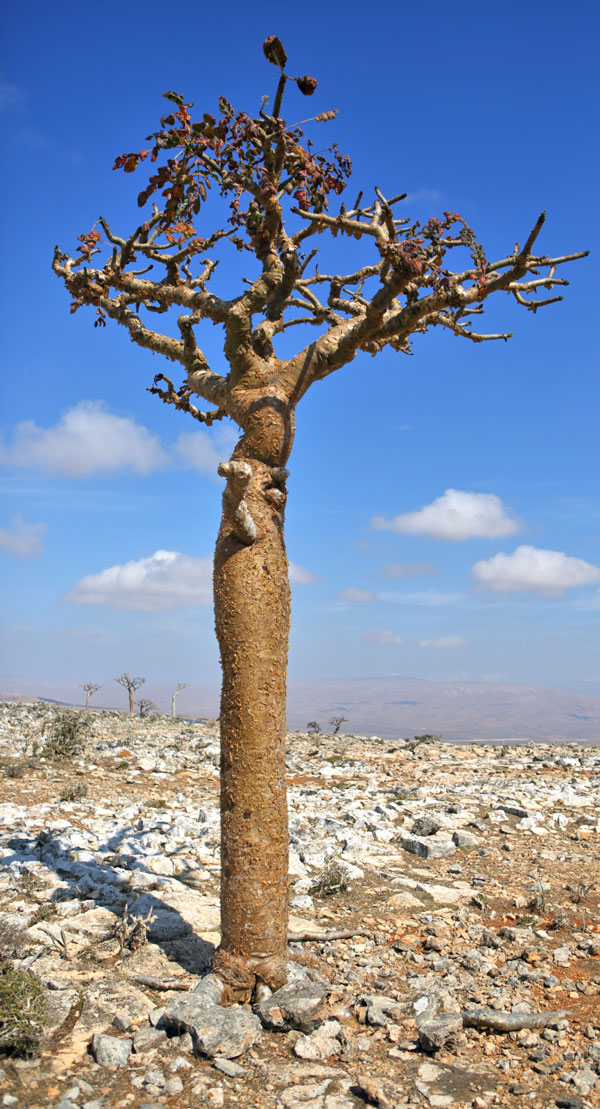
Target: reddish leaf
point(274, 52)
point(307, 85)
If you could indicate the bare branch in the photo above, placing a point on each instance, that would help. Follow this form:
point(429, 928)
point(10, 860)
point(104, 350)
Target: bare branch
point(181, 400)
point(355, 278)
point(533, 305)
point(465, 332)
point(340, 223)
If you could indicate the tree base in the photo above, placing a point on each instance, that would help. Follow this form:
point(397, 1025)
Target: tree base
point(242, 976)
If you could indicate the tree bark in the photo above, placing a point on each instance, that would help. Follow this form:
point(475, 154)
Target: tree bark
point(252, 615)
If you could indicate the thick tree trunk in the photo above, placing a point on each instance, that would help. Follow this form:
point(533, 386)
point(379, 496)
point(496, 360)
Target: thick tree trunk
point(252, 614)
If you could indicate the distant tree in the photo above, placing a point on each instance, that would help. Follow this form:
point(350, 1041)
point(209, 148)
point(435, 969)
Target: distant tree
point(406, 277)
point(146, 706)
point(182, 685)
point(313, 728)
point(89, 689)
point(130, 684)
point(336, 723)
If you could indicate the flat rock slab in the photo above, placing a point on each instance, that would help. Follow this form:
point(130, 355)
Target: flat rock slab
point(110, 1052)
point(328, 1094)
point(444, 1084)
point(298, 1005)
point(427, 847)
point(214, 1029)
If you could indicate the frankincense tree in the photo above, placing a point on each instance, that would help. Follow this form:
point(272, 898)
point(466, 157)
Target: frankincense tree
point(259, 184)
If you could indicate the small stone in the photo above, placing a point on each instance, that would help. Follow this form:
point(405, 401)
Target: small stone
point(147, 1038)
point(154, 1076)
point(561, 955)
point(231, 1069)
point(375, 1092)
point(425, 826)
point(74, 1092)
point(301, 901)
point(464, 839)
point(182, 1043)
point(320, 1044)
point(296, 1005)
point(110, 1052)
point(173, 1086)
point(434, 1032)
point(380, 1010)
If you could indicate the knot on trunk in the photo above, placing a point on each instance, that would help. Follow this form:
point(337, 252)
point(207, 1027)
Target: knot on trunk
point(238, 476)
point(276, 493)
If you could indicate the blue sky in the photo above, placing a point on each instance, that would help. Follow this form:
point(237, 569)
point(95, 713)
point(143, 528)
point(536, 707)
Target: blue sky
point(444, 513)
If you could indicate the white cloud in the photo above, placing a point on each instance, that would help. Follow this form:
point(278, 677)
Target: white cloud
point(424, 196)
point(162, 581)
point(356, 596)
point(24, 540)
point(200, 450)
point(384, 636)
point(406, 569)
point(548, 573)
point(427, 599)
point(444, 641)
point(300, 576)
point(86, 440)
point(455, 515)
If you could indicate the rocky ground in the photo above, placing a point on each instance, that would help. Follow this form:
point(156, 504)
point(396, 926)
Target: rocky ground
point(457, 889)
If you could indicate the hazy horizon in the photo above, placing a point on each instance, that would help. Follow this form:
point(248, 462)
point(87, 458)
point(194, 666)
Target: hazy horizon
point(392, 707)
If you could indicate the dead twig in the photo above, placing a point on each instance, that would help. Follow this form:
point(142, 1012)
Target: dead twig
point(163, 983)
point(334, 934)
point(510, 1022)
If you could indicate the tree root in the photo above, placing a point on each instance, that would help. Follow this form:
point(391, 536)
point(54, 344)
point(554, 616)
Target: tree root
point(333, 934)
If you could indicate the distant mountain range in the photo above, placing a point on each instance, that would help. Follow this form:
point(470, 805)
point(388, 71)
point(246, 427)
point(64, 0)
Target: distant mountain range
point(389, 707)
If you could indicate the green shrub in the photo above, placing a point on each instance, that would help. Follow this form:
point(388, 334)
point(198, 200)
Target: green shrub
point(14, 768)
point(22, 1010)
point(45, 912)
point(332, 879)
point(67, 735)
point(75, 792)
